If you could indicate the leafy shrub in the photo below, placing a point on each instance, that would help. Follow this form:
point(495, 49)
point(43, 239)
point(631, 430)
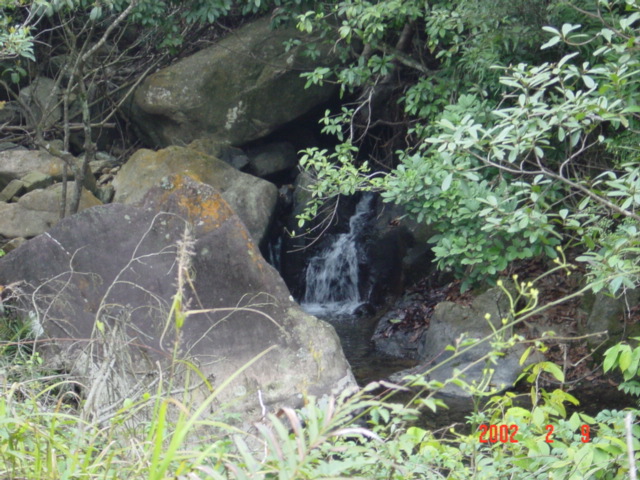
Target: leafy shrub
point(510, 168)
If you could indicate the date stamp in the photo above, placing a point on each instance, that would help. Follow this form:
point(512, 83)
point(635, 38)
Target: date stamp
point(508, 433)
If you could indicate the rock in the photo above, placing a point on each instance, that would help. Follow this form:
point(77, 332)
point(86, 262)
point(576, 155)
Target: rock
point(14, 188)
point(386, 251)
point(105, 193)
point(42, 97)
point(450, 323)
point(393, 224)
point(10, 146)
point(103, 160)
point(222, 150)
point(293, 265)
point(13, 244)
point(253, 199)
point(9, 113)
point(120, 264)
point(35, 180)
point(247, 85)
point(272, 158)
point(393, 341)
point(16, 164)
point(37, 211)
point(607, 317)
point(396, 250)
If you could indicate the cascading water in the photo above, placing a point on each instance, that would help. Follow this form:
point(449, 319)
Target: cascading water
point(332, 275)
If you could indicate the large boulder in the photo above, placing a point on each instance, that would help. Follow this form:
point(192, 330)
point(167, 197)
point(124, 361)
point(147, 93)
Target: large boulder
point(39, 210)
point(449, 325)
point(100, 285)
point(253, 199)
point(241, 89)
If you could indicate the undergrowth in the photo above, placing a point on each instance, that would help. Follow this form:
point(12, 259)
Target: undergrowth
point(376, 432)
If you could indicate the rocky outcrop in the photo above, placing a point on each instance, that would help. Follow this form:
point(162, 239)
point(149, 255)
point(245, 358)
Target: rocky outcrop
point(253, 199)
point(246, 86)
point(100, 286)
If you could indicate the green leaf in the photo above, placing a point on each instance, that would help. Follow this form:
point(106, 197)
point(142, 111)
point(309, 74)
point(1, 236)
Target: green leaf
point(446, 183)
point(589, 82)
point(538, 418)
point(553, 369)
point(553, 41)
point(525, 355)
point(610, 357)
point(625, 359)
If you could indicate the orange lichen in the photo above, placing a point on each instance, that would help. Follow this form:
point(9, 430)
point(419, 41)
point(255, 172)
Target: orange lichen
point(203, 207)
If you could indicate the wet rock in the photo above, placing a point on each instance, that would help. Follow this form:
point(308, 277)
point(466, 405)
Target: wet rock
point(410, 242)
point(400, 332)
point(452, 323)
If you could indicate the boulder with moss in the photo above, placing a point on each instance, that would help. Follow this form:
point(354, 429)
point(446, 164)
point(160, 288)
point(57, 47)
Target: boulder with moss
point(247, 85)
point(253, 199)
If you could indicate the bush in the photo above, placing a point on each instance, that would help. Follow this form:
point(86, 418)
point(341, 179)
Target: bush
point(506, 170)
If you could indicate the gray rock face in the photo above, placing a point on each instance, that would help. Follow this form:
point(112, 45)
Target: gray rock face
point(119, 264)
point(271, 159)
point(607, 317)
point(253, 199)
point(37, 211)
point(16, 164)
point(42, 97)
point(449, 323)
point(246, 86)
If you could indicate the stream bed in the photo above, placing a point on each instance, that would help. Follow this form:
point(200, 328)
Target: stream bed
point(355, 334)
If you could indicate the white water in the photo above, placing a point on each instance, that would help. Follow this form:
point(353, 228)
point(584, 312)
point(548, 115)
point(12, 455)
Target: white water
point(332, 275)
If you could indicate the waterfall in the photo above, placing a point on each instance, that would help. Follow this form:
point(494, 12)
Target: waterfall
point(332, 275)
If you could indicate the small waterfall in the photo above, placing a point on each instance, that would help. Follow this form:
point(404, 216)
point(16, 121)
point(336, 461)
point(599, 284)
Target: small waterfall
point(332, 275)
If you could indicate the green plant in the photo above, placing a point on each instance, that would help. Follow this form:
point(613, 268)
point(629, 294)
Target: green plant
point(513, 165)
point(371, 433)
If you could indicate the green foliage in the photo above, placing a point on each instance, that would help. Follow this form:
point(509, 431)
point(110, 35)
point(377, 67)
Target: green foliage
point(357, 435)
point(627, 360)
point(514, 163)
